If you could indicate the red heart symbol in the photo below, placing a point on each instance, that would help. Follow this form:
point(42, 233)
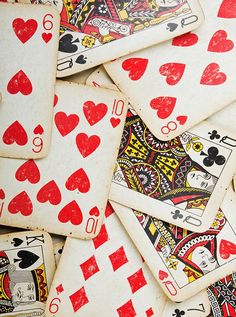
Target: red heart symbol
point(87, 145)
point(163, 105)
point(187, 39)
point(29, 170)
point(71, 212)
point(24, 30)
point(21, 203)
point(163, 275)
point(173, 72)
point(38, 130)
point(226, 249)
point(19, 83)
point(65, 124)
point(46, 37)
point(49, 192)
point(182, 119)
point(94, 113)
point(212, 76)
point(55, 100)
point(78, 180)
point(2, 194)
point(136, 67)
point(219, 43)
point(115, 122)
point(227, 9)
point(15, 133)
point(94, 212)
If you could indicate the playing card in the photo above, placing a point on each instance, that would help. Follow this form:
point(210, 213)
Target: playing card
point(182, 181)
point(72, 183)
point(222, 296)
point(184, 262)
point(95, 32)
point(29, 36)
point(26, 272)
point(105, 277)
point(196, 306)
point(80, 78)
point(58, 249)
point(100, 78)
point(177, 84)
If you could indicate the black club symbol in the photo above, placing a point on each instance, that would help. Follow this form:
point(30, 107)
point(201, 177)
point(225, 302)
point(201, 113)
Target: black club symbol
point(213, 157)
point(178, 313)
point(214, 135)
point(176, 214)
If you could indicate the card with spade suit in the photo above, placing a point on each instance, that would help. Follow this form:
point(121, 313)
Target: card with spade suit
point(26, 271)
point(184, 262)
point(96, 32)
point(72, 183)
point(182, 181)
point(177, 84)
point(196, 306)
point(105, 276)
point(29, 41)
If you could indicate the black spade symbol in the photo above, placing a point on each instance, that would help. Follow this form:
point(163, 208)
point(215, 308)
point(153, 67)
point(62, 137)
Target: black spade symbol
point(16, 242)
point(171, 26)
point(26, 259)
point(81, 59)
point(66, 44)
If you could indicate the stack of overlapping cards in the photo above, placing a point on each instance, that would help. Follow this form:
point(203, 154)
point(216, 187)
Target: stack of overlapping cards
point(120, 175)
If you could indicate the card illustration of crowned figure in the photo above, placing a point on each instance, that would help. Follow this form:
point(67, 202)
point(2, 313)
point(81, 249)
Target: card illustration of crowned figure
point(26, 271)
point(181, 175)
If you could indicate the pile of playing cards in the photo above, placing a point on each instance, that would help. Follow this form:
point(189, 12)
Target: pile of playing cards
point(121, 175)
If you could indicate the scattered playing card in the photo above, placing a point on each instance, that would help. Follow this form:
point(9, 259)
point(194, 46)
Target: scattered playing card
point(58, 249)
point(29, 36)
point(222, 296)
point(184, 262)
point(81, 77)
point(26, 271)
point(196, 306)
point(182, 181)
point(96, 32)
point(105, 277)
point(100, 78)
point(72, 183)
point(177, 84)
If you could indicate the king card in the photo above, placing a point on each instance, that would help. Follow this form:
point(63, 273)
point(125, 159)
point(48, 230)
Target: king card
point(72, 183)
point(177, 84)
point(105, 276)
point(29, 43)
point(182, 181)
point(184, 262)
point(26, 271)
point(95, 32)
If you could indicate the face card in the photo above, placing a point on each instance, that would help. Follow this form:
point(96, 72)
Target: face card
point(107, 267)
point(26, 271)
point(184, 262)
point(222, 296)
point(182, 181)
point(177, 84)
point(98, 31)
point(29, 36)
point(196, 306)
point(72, 183)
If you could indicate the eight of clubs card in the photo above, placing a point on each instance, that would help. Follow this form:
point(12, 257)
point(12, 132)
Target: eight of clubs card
point(29, 41)
point(72, 183)
point(184, 262)
point(26, 271)
point(177, 84)
point(105, 276)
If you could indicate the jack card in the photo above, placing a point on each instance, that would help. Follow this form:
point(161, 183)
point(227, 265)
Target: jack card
point(95, 32)
point(182, 181)
point(26, 271)
point(29, 41)
point(184, 262)
point(72, 183)
point(105, 276)
point(177, 84)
